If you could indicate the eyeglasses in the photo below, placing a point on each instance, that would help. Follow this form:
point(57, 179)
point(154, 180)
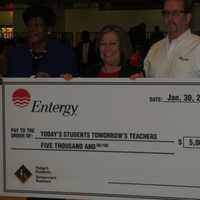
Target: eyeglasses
point(175, 13)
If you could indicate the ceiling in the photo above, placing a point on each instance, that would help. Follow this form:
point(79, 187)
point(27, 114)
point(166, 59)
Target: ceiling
point(101, 4)
point(131, 4)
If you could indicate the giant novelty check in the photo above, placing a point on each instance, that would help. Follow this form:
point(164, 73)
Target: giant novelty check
point(101, 139)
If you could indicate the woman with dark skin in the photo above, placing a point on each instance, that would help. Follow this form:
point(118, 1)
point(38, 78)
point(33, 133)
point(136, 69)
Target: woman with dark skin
point(41, 56)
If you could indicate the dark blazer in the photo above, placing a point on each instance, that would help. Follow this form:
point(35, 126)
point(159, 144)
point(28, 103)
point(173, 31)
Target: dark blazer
point(58, 60)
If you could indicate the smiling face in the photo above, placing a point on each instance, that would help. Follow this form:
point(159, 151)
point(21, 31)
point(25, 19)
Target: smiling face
point(175, 18)
point(37, 30)
point(110, 49)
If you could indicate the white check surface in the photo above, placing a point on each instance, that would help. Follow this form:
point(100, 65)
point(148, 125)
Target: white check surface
point(126, 140)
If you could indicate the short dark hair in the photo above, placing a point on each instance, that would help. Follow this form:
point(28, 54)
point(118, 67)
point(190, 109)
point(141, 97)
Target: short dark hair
point(125, 44)
point(44, 12)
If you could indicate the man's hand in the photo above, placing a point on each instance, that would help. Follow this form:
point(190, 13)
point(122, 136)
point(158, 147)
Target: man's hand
point(137, 75)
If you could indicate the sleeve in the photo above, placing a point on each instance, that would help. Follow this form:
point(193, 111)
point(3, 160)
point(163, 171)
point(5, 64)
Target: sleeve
point(147, 65)
point(11, 63)
point(151, 55)
point(71, 62)
point(197, 60)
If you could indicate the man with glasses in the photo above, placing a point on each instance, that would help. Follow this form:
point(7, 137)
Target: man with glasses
point(177, 55)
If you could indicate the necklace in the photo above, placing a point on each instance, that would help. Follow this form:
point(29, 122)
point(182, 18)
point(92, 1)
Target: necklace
point(38, 55)
point(111, 69)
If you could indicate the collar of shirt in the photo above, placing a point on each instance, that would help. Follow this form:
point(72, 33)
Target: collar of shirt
point(174, 43)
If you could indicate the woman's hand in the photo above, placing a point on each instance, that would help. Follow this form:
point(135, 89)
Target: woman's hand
point(66, 76)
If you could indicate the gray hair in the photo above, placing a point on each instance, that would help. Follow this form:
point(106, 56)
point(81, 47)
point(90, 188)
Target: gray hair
point(188, 5)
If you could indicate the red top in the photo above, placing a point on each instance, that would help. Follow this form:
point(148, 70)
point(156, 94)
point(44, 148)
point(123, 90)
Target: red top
point(108, 74)
point(135, 59)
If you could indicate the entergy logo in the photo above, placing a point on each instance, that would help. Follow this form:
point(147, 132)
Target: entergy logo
point(21, 98)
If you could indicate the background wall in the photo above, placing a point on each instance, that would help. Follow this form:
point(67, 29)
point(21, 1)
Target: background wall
point(75, 20)
point(92, 19)
point(6, 18)
point(196, 18)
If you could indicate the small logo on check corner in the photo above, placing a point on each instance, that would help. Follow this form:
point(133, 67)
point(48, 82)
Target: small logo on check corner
point(21, 98)
point(23, 174)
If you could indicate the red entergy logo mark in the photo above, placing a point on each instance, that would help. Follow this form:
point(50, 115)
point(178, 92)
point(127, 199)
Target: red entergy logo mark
point(21, 98)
